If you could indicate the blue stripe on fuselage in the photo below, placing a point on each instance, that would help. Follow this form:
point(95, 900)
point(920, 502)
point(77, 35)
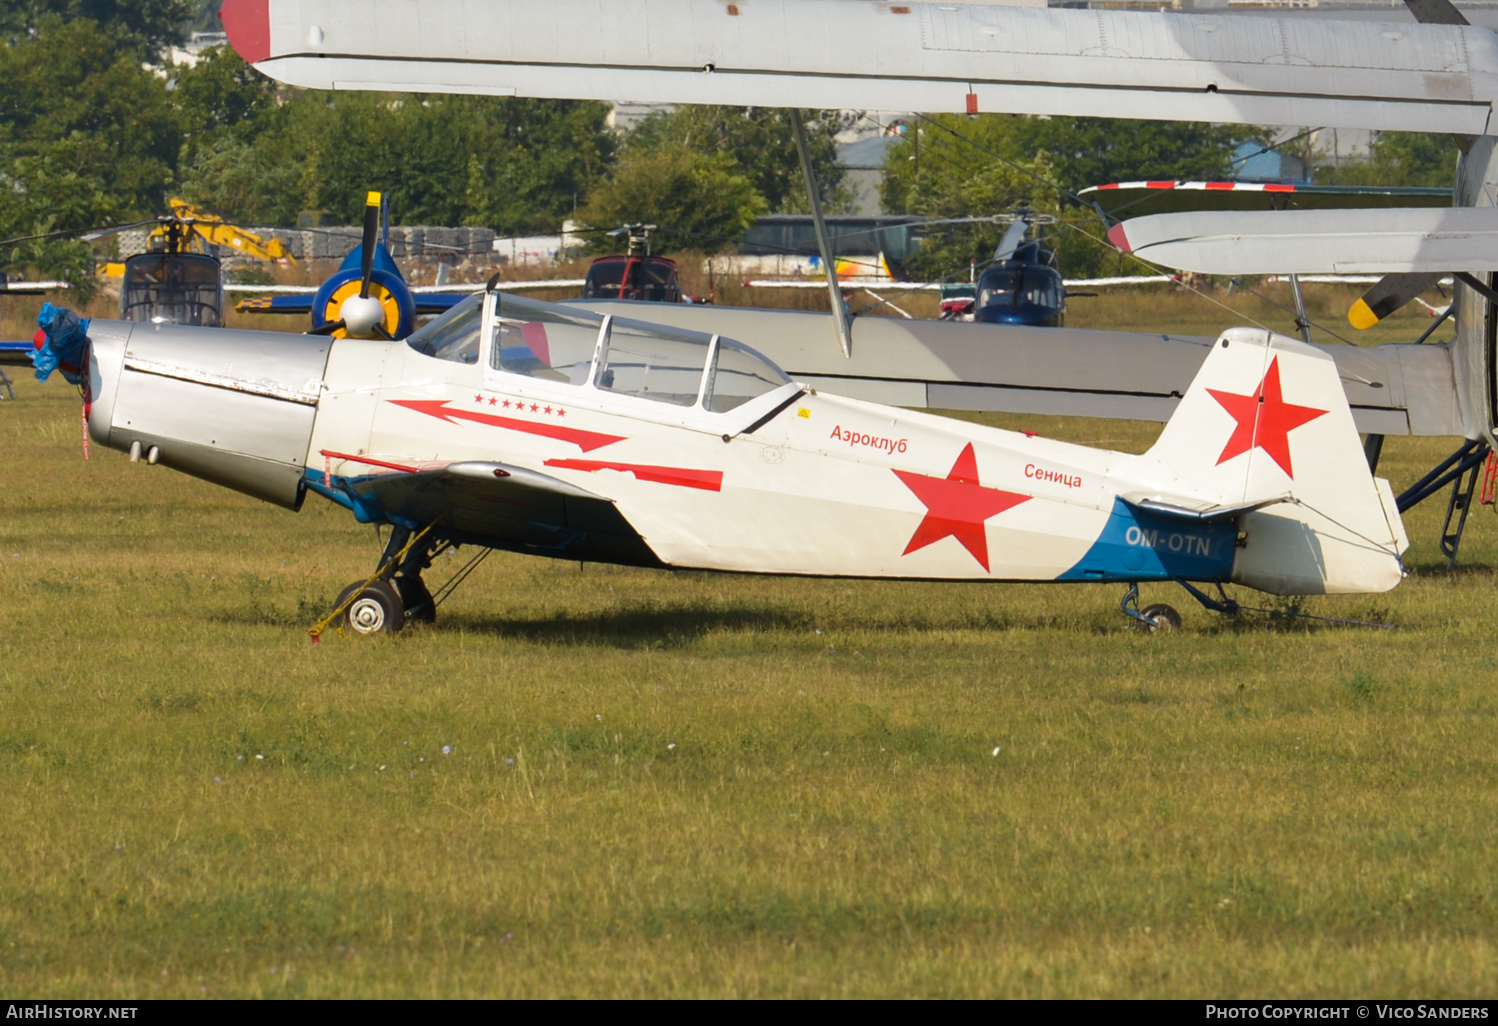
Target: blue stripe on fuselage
point(1137, 546)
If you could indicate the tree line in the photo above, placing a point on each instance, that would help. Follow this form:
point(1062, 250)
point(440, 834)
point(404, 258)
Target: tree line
point(98, 128)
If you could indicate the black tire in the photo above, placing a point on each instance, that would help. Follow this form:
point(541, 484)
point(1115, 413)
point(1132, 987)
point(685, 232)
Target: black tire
point(376, 610)
point(416, 599)
point(1161, 617)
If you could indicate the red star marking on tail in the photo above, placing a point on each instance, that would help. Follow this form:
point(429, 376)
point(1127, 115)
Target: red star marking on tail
point(1264, 419)
point(957, 506)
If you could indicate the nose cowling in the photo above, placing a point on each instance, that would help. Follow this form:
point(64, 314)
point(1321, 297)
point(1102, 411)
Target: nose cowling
point(232, 407)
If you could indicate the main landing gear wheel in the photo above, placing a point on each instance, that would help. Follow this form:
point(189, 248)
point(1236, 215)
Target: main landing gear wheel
point(1160, 617)
point(377, 609)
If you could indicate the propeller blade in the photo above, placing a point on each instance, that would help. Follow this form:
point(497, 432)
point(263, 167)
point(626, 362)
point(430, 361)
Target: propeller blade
point(1436, 12)
point(371, 237)
point(380, 332)
point(1391, 292)
point(328, 329)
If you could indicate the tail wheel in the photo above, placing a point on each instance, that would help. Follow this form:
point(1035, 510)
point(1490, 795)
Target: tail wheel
point(1161, 617)
point(376, 609)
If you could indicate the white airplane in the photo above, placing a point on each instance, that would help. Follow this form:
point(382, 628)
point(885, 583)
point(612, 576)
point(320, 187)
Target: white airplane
point(583, 434)
point(541, 428)
point(1435, 73)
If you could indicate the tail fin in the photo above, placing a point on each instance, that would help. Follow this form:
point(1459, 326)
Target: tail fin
point(1267, 419)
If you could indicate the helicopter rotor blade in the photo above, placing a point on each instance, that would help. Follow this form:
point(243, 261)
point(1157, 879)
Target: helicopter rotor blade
point(86, 234)
point(1011, 240)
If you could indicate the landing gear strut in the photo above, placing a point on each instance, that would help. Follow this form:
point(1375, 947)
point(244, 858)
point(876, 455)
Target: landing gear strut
point(405, 572)
point(397, 593)
point(1461, 471)
point(1157, 617)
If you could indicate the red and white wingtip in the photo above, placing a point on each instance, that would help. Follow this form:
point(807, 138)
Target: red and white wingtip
point(247, 23)
point(1159, 186)
point(1119, 239)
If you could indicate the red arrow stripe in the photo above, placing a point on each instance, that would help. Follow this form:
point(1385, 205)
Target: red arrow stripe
point(584, 440)
point(682, 477)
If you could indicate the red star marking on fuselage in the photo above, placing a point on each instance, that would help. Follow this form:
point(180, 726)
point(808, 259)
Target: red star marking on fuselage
point(493, 401)
point(478, 398)
point(1264, 419)
point(957, 506)
point(506, 404)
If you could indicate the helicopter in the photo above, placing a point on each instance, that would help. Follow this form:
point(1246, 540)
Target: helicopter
point(1022, 284)
point(636, 273)
point(179, 279)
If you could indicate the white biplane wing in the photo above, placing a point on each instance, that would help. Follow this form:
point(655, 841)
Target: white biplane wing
point(933, 57)
point(892, 56)
point(944, 365)
point(1399, 240)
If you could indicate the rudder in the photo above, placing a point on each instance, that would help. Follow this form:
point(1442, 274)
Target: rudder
point(1266, 420)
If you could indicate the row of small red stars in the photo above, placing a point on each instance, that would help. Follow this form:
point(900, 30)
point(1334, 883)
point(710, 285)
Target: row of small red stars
point(533, 407)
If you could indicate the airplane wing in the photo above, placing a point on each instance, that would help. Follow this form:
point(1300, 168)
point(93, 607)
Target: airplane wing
point(1136, 199)
point(494, 504)
point(1401, 239)
point(16, 352)
point(919, 56)
point(947, 365)
point(301, 303)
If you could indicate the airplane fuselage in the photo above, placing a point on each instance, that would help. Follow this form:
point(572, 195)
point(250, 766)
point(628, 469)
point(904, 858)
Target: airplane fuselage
point(581, 436)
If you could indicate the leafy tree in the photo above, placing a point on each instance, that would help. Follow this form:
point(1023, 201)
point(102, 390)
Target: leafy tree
point(146, 26)
point(204, 16)
point(511, 164)
point(951, 166)
point(1399, 158)
point(87, 137)
point(222, 94)
point(760, 143)
point(702, 194)
point(234, 177)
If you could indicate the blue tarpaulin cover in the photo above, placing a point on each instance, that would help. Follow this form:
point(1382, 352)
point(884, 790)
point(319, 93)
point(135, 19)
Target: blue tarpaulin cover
point(65, 336)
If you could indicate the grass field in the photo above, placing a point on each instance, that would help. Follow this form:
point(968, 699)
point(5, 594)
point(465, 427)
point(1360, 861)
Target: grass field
point(600, 782)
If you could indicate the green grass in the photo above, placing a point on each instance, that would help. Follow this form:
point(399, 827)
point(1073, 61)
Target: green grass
point(695, 785)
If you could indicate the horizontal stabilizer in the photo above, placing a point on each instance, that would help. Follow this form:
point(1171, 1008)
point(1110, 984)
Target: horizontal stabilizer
point(1402, 239)
point(1205, 515)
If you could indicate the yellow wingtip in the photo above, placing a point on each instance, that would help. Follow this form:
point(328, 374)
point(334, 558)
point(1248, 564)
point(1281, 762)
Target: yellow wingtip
point(1361, 316)
point(372, 200)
